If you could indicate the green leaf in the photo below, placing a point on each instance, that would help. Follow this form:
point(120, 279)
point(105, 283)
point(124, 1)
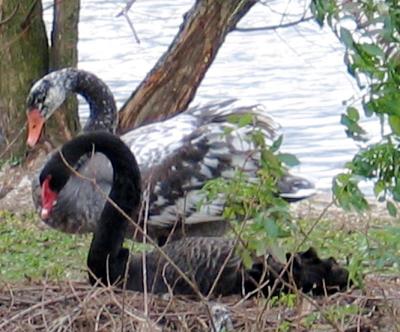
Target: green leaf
point(271, 228)
point(353, 128)
point(379, 187)
point(277, 144)
point(345, 121)
point(278, 252)
point(396, 191)
point(288, 159)
point(317, 11)
point(245, 119)
point(391, 208)
point(241, 119)
point(353, 114)
point(258, 138)
point(260, 246)
point(246, 258)
point(394, 122)
point(269, 160)
point(372, 49)
point(346, 38)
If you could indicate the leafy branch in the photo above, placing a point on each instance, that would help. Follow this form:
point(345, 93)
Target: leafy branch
point(370, 32)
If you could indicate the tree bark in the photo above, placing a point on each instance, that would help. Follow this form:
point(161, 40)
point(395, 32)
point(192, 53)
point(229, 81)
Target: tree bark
point(64, 124)
point(24, 54)
point(24, 58)
point(172, 83)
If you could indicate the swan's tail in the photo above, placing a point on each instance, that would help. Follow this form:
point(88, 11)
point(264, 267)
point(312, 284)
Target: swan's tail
point(293, 188)
point(242, 122)
point(306, 271)
point(232, 110)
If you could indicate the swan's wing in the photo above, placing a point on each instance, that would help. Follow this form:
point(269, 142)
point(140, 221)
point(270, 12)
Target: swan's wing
point(154, 143)
point(178, 156)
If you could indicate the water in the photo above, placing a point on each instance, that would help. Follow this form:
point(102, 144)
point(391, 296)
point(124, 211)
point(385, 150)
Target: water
point(297, 73)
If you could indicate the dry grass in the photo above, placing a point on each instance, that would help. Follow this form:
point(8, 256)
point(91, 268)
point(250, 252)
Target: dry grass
point(75, 306)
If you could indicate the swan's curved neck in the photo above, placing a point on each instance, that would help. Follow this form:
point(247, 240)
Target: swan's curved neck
point(107, 258)
point(103, 111)
point(125, 191)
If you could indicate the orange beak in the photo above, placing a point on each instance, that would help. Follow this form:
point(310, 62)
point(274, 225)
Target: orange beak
point(35, 126)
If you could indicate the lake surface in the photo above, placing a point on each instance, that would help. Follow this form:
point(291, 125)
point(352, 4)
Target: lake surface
point(297, 73)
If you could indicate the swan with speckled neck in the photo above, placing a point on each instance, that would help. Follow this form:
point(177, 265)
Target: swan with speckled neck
point(176, 158)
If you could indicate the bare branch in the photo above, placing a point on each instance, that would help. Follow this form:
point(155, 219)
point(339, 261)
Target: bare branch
point(124, 12)
point(275, 27)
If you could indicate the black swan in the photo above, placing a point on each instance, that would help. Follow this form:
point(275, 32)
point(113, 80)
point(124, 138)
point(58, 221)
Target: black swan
point(200, 258)
point(176, 157)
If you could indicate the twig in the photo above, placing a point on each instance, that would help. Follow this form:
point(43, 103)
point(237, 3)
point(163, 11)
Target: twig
point(8, 147)
point(277, 26)
point(7, 19)
point(137, 316)
point(97, 321)
point(124, 12)
point(228, 257)
point(144, 263)
point(127, 7)
point(43, 297)
point(35, 306)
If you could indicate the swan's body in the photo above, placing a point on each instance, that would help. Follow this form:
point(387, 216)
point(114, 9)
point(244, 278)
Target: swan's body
point(200, 259)
point(176, 157)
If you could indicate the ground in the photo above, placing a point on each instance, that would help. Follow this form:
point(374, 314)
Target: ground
point(44, 285)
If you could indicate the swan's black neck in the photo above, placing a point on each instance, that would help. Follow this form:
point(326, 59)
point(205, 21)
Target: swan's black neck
point(103, 111)
point(104, 258)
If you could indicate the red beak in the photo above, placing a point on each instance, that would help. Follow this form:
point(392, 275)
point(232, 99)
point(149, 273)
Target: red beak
point(49, 198)
point(35, 126)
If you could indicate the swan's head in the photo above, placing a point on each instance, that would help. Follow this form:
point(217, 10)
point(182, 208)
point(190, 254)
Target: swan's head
point(52, 180)
point(45, 97)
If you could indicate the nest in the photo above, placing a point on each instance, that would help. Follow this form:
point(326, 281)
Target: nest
point(75, 306)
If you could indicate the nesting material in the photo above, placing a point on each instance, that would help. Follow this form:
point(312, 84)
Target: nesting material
point(75, 306)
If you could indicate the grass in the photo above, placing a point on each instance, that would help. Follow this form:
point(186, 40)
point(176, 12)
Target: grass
point(30, 253)
point(371, 248)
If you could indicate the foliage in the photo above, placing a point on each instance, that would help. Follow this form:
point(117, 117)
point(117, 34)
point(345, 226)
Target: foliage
point(373, 59)
point(270, 226)
point(257, 200)
point(371, 249)
point(287, 300)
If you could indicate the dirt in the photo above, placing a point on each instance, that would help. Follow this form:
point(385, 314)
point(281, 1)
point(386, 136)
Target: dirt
point(15, 184)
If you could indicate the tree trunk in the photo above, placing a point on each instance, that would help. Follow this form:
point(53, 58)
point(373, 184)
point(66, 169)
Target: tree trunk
point(24, 54)
point(64, 124)
point(24, 58)
point(172, 83)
